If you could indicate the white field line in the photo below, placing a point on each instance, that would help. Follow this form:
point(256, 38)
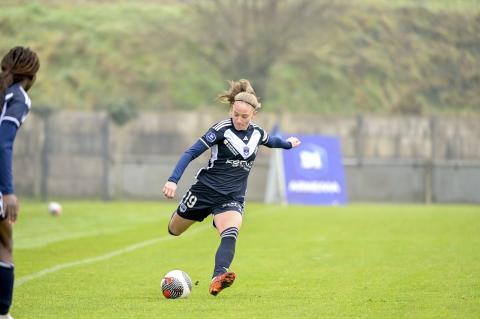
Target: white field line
point(22, 280)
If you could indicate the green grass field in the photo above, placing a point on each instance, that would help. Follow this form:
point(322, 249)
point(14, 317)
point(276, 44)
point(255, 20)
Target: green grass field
point(106, 260)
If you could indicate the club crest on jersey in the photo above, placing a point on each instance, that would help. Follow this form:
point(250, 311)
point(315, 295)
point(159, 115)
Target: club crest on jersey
point(246, 150)
point(211, 137)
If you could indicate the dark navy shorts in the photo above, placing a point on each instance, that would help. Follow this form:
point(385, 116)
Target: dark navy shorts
point(201, 201)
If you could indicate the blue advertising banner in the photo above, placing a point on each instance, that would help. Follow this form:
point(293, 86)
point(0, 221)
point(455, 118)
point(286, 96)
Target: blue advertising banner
point(314, 172)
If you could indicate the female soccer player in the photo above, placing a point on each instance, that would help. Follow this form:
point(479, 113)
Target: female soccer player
point(221, 185)
point(19, 69)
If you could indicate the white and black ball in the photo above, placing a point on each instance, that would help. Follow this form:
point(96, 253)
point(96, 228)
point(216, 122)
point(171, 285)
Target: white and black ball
point(54, 208)
point(176, 284)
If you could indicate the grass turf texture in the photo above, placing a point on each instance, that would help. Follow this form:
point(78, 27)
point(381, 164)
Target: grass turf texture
point(359, 261)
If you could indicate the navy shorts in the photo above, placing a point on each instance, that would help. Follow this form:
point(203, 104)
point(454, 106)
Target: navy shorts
point(201, 201)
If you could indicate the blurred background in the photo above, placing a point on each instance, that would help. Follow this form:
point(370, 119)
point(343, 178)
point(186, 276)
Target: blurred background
point(126, 86)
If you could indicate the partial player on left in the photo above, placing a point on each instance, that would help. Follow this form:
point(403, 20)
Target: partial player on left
point(19, 70)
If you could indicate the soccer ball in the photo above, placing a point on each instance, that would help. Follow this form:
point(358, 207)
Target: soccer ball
point(176, 284)
point(54, 208)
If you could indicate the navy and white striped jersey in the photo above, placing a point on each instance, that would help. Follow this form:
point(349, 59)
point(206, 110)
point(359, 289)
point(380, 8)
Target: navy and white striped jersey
point(14, 112)
point(232, 155)
point(16, 105)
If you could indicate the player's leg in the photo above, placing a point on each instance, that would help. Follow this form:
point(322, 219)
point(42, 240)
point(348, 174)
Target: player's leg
point(194, 207)
point(228, 224)
point(178, 224)
point(6, 267)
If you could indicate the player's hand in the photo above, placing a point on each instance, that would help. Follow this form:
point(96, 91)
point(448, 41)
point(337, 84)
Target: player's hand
point(169, 189)
point(294, 141)
point(11, 207)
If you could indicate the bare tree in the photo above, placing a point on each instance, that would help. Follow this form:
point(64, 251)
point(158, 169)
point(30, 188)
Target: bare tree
point(245, 38)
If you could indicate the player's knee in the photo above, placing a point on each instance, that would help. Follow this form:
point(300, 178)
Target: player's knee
point(6, 247)
point(171, 232)
point(170, 228)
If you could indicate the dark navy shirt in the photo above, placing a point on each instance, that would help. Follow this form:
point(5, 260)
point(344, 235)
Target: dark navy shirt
point(14, 112)
point(232, 155)
point(16, 106)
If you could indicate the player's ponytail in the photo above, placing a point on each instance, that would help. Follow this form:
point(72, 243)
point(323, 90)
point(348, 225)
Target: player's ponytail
point(237, 87)
point(6, 79)
point(17, 65)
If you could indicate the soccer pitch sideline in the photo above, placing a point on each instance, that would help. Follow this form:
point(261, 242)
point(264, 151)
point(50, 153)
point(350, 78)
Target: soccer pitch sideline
point(106, 260)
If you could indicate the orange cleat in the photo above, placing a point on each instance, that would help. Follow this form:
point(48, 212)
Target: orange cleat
point(221, 282)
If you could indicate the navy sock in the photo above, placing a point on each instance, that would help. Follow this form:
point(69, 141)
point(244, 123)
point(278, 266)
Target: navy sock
point(226, 250)
point(6, 287)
